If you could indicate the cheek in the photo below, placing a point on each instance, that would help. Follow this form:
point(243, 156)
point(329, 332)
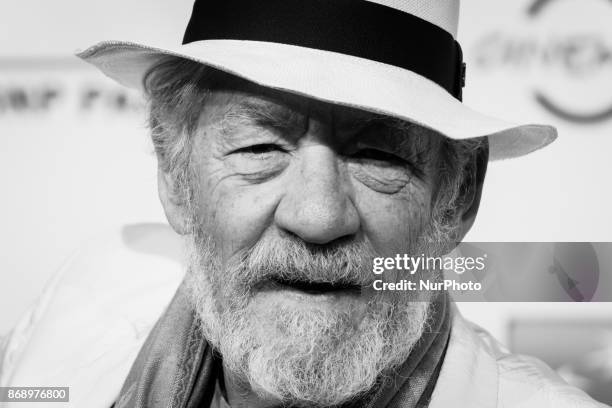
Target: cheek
point(237, 215)
point(391, 222)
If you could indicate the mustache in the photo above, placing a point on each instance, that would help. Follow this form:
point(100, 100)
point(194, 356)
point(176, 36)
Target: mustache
point(345, 262)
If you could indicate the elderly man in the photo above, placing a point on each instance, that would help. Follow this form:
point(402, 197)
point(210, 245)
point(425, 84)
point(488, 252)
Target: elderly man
point(298, 140)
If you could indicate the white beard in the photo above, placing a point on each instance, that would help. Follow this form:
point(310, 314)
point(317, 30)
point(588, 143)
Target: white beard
point(303, 356)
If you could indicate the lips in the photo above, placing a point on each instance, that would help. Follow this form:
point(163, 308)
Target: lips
point(316, 288)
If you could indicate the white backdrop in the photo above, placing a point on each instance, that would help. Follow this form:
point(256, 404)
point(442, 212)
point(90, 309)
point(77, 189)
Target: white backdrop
point(75, 160)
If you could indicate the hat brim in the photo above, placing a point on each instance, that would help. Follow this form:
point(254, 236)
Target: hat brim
point(334, 78)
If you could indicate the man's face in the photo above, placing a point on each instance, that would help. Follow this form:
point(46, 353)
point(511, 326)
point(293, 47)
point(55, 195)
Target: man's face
point(292, 199)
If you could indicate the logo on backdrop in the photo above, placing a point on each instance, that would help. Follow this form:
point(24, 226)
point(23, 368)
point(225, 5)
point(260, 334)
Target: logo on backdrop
point(570, 51)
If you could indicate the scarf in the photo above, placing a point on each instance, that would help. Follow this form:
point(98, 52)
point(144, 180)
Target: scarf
point(176, 367)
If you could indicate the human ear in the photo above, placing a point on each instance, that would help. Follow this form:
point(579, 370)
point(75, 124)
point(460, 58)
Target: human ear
point(175, 206)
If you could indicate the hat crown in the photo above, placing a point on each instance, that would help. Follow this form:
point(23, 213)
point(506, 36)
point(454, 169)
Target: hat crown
point(442, 13)
point(415, 35)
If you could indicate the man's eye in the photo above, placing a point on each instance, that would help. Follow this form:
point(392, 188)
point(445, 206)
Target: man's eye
point(380, 156)
point(260, 149)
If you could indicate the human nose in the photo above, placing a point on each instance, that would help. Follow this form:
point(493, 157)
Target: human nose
point(317, 206)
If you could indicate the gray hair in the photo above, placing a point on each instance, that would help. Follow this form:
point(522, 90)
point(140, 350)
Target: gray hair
point(177, 88)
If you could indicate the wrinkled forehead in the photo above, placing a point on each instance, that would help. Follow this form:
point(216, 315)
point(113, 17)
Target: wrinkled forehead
point(246, 104)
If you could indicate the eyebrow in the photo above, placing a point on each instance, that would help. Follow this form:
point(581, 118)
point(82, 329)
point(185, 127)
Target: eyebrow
point(411, 140)
point(261, 113)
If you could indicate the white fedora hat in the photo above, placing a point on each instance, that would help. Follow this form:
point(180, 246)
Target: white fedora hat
point(394, 57)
